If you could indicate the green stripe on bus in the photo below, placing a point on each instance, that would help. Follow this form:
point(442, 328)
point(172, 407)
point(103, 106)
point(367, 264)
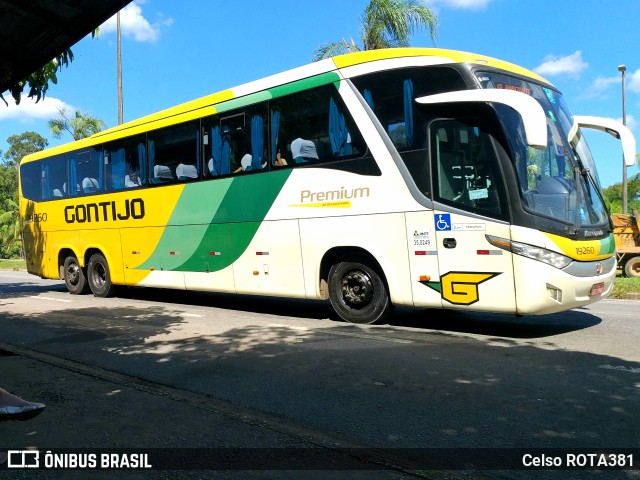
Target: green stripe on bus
point(278, 91)
point(607, 245)
point(305, 84)
point(193, 212)
point(234, 222)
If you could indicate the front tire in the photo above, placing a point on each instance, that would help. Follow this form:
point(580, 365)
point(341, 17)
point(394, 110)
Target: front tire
point(357, 293)
point(74, 276)
point(99, 276)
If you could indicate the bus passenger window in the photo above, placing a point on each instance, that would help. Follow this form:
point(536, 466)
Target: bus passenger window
point(174, 153)
point(54, 178)
point(30, 180)
point(125, 164)
point(86, 171)
point(217, 153)
point(243, 146)
point(313, 126)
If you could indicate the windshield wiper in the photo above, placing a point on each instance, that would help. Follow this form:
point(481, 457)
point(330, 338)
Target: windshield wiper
point(579, 171)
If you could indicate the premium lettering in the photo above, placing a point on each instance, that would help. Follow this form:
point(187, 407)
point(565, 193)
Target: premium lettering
point(332, 195)
point(105, 211)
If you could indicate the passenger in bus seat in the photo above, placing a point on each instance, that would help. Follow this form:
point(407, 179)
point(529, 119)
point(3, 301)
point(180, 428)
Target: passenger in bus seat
point(132, 180)
point(279, 161)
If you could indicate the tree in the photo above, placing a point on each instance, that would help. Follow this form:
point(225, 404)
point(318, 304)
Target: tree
point(39, 80)
point(8, 184)
point(10, 238)
point(19, 146)
point(81, 125)
point(22, 145)
point(385, 24)
point(613, 195)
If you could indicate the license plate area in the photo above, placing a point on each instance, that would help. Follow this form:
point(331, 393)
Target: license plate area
point(597, 289)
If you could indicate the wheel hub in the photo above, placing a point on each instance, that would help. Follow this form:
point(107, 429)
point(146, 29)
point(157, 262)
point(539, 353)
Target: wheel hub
point(73, 274)
point(357, 288)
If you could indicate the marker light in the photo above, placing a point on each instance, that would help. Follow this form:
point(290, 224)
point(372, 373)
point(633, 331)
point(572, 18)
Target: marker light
point(536, 253)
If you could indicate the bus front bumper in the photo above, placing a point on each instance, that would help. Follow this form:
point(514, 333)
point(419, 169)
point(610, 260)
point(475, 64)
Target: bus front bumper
point(543, 289)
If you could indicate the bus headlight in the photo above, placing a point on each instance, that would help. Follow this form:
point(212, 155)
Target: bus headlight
point(536, 253)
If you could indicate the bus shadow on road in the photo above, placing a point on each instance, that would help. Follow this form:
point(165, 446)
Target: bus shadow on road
point(27, 289)
point(499, 325)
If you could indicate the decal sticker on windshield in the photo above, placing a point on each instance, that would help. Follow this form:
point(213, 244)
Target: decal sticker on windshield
point(514, 87)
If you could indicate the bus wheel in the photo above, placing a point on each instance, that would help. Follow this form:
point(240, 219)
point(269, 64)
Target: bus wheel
point(632, 267)
point(74, 276)
point(99, 276)
point(357, 293)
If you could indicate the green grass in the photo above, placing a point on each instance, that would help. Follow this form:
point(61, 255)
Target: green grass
point(12, 264)
point(624, 286)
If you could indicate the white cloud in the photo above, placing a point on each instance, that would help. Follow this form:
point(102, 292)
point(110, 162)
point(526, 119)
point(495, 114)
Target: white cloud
point(461, 4)
point(134, 24)
point(632, 81)
point(602, 85)
point(29, 110)
point(571, 65)
point(632, 123)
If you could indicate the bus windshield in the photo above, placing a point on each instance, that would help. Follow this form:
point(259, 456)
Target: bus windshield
point(560, 181)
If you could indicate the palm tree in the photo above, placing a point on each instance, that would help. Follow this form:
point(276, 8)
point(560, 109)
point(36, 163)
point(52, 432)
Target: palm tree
point(10, 237)
point(385, 24)
point(82, 125)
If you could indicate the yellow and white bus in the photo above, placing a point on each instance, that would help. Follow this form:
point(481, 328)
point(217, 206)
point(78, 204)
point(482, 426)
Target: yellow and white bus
point(409, 177)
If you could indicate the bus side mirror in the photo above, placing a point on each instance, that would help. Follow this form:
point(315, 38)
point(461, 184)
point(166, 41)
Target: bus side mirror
point(613, 128)
point(533, 117)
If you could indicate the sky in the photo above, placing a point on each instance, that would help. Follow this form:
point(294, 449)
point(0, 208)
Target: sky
point(173, 52)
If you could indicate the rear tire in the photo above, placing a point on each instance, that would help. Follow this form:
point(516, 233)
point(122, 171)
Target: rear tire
point(632, 267)
point(74, 276)
point(357, 293)
point(99, 276)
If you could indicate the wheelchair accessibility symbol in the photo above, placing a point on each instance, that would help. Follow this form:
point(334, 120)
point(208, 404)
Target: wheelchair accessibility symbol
point(443, 222)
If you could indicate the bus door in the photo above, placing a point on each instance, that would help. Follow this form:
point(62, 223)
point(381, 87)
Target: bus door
point(470, 203)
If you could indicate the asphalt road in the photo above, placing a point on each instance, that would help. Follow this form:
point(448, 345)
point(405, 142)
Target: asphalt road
point(431, 378)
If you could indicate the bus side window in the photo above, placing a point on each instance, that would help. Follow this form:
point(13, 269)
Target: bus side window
point(240, 142)
point(125, 164)
point(31, 180)
point(86, 168)
point(54, 177)
point(313, 126)
point(302, 126)
point(174, 153)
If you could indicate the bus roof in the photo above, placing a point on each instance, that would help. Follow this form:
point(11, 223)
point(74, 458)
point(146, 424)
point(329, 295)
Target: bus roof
point(259, 89)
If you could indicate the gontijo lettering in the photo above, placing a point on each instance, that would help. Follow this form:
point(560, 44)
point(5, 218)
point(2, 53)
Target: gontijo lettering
point(104, 211)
